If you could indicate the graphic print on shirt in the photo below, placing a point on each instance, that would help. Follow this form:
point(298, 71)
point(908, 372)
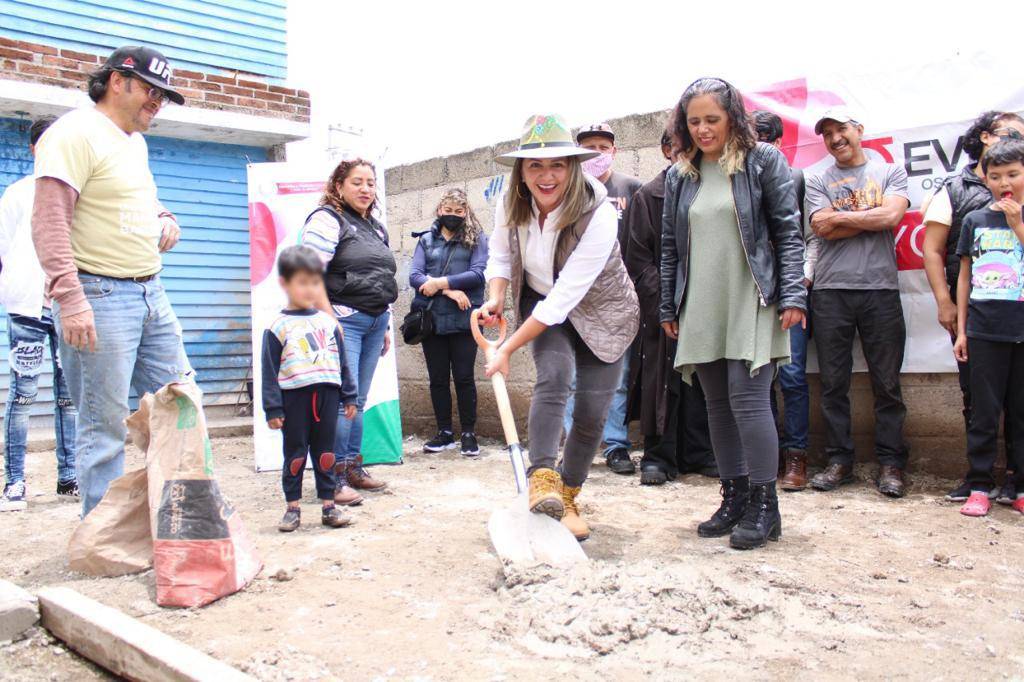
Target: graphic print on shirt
point(850, 198)
point(996, 271)
point(619, 204)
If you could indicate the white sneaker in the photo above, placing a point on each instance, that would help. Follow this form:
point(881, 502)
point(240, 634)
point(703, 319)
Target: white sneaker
point(13, 498)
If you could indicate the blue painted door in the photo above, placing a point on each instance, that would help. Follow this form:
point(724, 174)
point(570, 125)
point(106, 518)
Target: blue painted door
point(206, 276)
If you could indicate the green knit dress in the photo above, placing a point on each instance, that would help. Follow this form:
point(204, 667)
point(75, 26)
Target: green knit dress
point(722, 316)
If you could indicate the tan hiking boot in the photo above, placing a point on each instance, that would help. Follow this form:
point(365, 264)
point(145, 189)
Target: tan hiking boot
point(546, 493)
point(572, 520)
point(360, 479)
point(343, 492)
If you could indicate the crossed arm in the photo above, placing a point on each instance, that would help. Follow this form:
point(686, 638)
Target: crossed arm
point(831, 224)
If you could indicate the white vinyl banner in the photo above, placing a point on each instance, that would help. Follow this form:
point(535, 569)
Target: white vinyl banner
point(913, 118)
point(281, 196)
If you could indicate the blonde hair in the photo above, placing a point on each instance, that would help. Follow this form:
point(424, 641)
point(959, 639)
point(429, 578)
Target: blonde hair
point(741, 133)
point(577, 200)
point(470, 233)
point(732, 160)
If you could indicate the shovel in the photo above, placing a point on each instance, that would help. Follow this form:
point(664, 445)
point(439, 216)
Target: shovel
point(518, 535)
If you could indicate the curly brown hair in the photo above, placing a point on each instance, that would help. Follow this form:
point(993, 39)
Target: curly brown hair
point(471, 231)
point(332, 195)
point(742, 139)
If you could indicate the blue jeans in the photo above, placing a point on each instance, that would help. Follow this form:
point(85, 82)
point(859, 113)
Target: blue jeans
point(138, 345)
point(616, 431)
point(364, 341)
point(795, 394)
point(29, 338)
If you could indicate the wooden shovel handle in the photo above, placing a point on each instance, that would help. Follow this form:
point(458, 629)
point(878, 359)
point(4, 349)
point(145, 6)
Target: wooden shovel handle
point(508, 420)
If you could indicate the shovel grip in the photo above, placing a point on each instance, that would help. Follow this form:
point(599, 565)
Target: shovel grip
point(508, 421)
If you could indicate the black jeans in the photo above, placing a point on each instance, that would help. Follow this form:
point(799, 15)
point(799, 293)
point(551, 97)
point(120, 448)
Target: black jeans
point(310, 419)
point(997, 384)
point(840, 314)
point(685, 445)
point(447, 356)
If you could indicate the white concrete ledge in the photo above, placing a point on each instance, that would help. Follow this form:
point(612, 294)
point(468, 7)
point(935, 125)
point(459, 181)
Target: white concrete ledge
point(27, 99)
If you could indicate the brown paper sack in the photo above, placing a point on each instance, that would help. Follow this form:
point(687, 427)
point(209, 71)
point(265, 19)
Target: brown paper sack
point(115, 539)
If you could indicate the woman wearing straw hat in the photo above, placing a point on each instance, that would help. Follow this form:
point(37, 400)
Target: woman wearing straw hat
point(732, 284)
point(555, 241)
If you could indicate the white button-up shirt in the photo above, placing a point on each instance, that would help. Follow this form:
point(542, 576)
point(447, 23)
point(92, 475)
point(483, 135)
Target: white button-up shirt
point(581, 269)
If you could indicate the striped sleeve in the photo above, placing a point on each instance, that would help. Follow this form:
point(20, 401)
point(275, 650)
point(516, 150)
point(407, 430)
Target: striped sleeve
point(321, 233)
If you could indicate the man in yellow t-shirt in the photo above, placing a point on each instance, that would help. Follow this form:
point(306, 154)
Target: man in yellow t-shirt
point(99, 230)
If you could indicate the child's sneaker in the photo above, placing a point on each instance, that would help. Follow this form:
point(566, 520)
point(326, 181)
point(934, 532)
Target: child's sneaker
point(444, 440)
point(1018, 505)
point(470, 448)
point(13, 498)
point(68, 489)
point(291, 520)
point(977, 504)
point(332, 517)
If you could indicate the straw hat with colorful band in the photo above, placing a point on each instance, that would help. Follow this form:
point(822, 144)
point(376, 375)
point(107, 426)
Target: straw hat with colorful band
point(545, 136)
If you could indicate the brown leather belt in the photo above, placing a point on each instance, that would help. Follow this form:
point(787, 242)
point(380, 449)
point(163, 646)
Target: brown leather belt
point(140, 280)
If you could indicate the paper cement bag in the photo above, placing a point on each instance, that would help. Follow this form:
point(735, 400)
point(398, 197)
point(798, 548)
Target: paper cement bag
point(201, 550)
point(115, 539)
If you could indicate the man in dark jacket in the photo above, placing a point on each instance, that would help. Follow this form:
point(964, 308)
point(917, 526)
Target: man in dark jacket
point(792, 378)
point(672, 414)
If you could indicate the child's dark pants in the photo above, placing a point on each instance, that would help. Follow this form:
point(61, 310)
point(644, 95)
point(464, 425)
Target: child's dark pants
point(997, 378)
point(310, 418)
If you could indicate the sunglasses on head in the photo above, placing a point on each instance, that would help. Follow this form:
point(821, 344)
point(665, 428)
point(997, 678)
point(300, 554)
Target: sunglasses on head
point(1011, 133)
point(153, 93)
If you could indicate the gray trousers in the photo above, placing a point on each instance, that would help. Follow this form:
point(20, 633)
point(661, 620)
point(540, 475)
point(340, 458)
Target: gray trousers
point(740, 419)
point(557, 353)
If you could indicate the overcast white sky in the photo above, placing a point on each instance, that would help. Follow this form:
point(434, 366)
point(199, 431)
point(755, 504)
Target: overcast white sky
point(433, 78)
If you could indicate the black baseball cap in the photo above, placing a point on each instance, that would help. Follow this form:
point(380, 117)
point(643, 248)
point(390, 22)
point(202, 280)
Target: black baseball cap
point(145, 64)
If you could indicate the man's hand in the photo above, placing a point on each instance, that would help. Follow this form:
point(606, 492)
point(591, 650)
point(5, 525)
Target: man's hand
point(960, 348)
point(459, 297)
point(947, 316)
point(170, 233)
point(792, 317)
point(431, 286)
point(79, 330)
point(350, 412)
point(671, 329)
point(276, 423)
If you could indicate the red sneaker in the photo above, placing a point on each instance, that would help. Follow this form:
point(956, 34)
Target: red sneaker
point(1018, 504)
point(977, 504)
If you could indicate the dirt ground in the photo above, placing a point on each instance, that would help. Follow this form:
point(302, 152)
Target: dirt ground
point(859, 587)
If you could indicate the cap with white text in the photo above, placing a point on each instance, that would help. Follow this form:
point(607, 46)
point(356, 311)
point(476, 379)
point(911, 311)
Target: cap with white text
point(146, 64)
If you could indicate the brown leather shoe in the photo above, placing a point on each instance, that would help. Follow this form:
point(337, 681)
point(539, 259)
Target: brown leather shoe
point(360, 479)
point(832, 477)
point(890, 481)
point(347, 497)
point(794, 477)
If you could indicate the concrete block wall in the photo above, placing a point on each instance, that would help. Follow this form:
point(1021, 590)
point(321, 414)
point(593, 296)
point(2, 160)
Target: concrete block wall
point(934, 427)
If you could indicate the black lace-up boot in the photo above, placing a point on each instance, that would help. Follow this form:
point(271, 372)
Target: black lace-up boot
point(735, 492)
point(761, 522)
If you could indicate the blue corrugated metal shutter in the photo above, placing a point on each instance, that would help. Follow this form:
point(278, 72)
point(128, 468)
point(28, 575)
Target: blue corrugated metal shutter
point(243, 35)
point(206, 276)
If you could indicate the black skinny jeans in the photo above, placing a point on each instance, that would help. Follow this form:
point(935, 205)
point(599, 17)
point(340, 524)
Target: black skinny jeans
point(447, 356)
point(997, 384)
point(840, 314)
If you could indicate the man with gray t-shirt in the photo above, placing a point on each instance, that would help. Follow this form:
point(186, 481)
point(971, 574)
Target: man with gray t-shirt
point(854, 206)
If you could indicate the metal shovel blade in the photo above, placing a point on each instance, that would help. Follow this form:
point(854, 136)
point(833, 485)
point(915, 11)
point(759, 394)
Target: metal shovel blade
point(522, 537)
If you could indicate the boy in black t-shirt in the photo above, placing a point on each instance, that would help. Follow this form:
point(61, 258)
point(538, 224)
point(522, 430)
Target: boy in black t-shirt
point(990, 319)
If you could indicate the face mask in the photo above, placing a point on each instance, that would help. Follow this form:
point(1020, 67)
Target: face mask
point(452, 222)
point(598, 165)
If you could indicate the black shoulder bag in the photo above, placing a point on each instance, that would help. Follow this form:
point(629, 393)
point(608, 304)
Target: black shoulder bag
point(419, 324)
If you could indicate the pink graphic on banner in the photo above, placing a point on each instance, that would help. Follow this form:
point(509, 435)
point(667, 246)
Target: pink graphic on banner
point(263, 239)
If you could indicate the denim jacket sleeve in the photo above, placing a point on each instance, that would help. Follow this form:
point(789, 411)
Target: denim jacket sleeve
point(418, 267)
point(669, 253)
point(778, 194)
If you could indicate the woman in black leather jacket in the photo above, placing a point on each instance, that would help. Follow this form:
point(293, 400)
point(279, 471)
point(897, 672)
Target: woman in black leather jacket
point(731, 287)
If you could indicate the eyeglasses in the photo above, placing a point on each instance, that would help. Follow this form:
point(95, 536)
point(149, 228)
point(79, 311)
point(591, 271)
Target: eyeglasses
point(153, 93)
point(1011, 133)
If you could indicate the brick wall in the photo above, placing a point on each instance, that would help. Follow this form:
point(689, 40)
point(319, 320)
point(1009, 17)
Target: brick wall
point(227, 91)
